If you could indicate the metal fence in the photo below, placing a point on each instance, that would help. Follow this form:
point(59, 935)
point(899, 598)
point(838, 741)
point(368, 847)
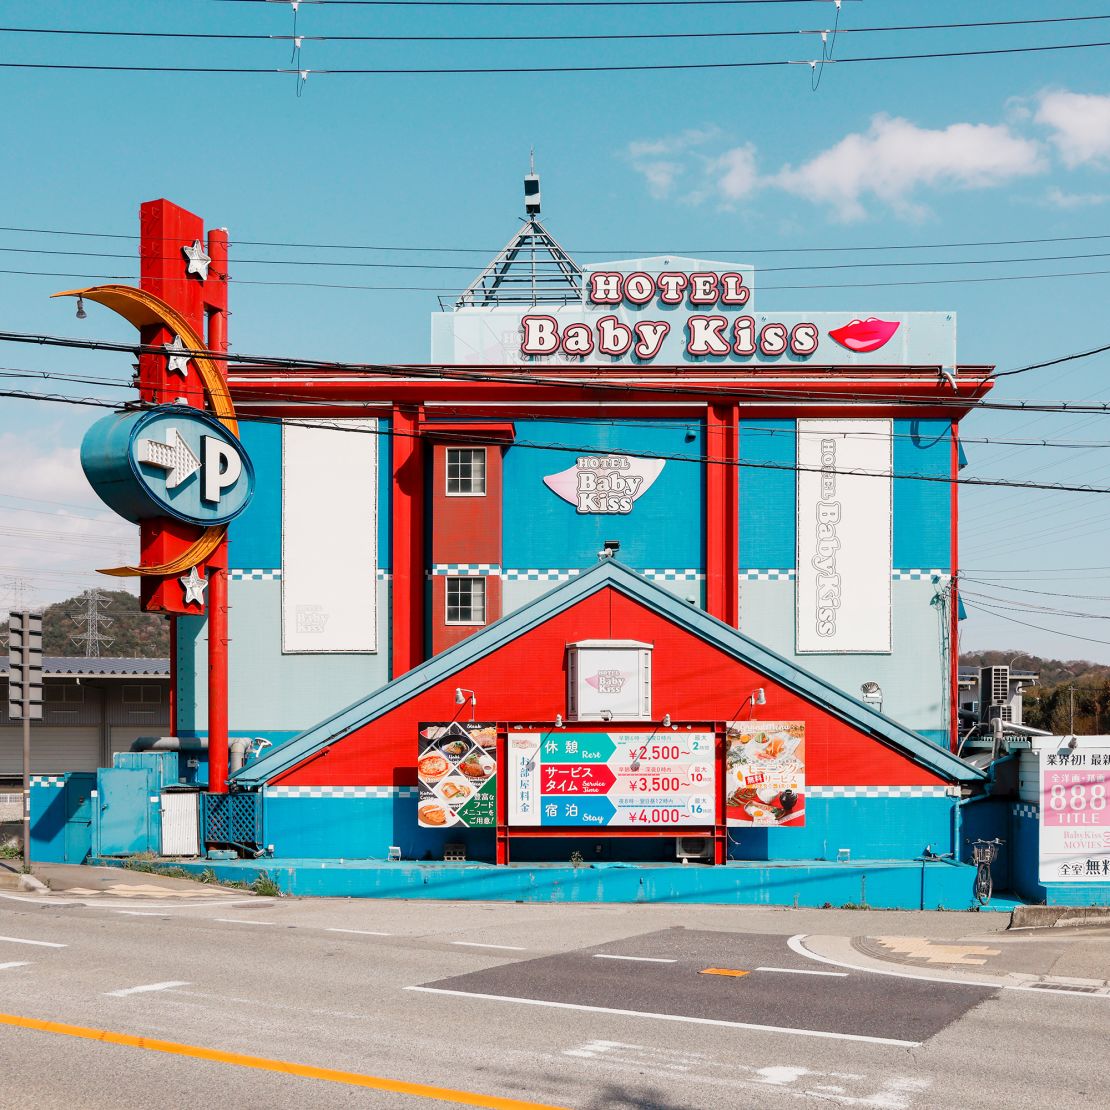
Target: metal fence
point(233, 819)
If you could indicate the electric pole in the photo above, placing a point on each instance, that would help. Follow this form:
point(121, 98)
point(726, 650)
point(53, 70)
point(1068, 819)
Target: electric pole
point(25, 696)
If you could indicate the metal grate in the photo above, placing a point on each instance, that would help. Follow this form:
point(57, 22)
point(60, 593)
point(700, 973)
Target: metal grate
point(233, 819)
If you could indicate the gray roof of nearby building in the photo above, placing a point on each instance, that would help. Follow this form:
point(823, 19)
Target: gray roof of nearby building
point(103, 667)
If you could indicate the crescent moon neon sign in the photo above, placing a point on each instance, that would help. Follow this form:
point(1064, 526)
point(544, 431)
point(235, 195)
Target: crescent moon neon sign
point(142, 309)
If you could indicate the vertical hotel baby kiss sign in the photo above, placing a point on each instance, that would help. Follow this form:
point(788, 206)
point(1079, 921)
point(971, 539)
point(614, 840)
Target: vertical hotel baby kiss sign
point(844, 545)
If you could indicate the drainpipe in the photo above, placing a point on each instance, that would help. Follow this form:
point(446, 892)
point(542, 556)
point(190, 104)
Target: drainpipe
point(237, 748)
point(957, 810)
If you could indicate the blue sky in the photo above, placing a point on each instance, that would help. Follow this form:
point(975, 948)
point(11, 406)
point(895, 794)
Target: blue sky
point(736, 163)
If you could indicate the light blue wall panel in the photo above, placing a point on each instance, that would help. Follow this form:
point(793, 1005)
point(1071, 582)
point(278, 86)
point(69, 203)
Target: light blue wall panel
point(385, 496)
point(255, 535)
point(922, 510)
point(664, 528)
point(767, 495)
point(268, 691)
point(870, 828)
point(913, 677)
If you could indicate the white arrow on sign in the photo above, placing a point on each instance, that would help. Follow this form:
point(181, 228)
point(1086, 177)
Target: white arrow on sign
point(174, 456)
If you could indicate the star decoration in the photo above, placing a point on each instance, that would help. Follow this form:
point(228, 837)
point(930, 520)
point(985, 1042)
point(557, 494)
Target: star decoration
point(176, 363)
point(194, 586)
point(198, 260)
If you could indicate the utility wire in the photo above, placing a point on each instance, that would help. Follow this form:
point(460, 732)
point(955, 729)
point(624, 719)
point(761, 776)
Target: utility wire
point(578, 449)
point(789, 32)
point(454, 291)
point(622, 252)
point(980, 607)
point(655, 67)
point(554, 263)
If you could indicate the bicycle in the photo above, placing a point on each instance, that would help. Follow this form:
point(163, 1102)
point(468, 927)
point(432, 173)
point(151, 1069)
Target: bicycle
point(983, 854)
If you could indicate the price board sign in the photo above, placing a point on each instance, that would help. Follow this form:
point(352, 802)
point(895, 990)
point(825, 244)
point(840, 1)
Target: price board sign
point(1075, 818)
point(456, 765)
point(600, 779)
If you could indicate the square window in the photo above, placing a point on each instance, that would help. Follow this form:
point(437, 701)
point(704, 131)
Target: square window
point(466, 601)
point(466, 471)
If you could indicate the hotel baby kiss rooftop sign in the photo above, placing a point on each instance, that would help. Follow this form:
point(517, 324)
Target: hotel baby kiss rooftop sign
point(668, 311)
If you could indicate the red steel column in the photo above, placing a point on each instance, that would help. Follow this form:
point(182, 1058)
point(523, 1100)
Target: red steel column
point(408, 538)
point(722, 513)
point(954, 646)
point(216, 304)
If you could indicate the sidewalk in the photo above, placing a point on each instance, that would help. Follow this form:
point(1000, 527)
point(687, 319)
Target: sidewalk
point(1073, 959)
point(70, 883)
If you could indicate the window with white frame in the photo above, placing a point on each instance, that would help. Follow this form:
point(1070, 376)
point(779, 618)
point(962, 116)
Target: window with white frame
point(466, 471)
point(466, 600)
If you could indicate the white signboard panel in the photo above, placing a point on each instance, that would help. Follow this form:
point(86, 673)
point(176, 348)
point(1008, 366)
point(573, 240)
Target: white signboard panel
point(1075, 818)
point(609, 683)
point(329, 537)
point(844, 536)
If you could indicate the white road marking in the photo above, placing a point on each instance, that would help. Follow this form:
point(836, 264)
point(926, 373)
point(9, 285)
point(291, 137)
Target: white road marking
point(796, 945)
point(15, 963)
point(804, 1084)
point(139, 913)
point(241, 921)
point(36, 943)
point(359, 932)
point(147, 987)
point(475, 944)
point(641, 959)
point(804, 971)
point(823, 1033)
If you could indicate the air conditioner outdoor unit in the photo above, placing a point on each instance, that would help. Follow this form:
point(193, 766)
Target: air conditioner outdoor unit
point(994, 689)
point(693, 847)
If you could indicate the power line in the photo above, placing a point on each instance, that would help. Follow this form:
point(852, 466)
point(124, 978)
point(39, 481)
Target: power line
point(471, 438)
point(616, 252)
point(980, 607)
point(448, 290)
point(470, 269)
point(747, 429)
point(792, 32)
point(654, 67)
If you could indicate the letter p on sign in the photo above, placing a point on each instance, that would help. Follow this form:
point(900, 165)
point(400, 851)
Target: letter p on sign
point(222, 467)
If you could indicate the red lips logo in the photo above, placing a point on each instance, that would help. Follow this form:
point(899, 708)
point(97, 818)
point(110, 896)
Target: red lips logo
point(865, 335)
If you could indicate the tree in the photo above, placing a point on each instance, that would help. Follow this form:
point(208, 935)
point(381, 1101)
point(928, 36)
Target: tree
point(132, 632)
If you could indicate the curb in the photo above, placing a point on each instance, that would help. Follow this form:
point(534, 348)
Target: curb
point(1040, 917)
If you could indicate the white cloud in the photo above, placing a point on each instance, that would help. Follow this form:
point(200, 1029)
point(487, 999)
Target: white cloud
point(894, 158)
point(54, 531)
point(1058, 198)
point(735, 173)
point(657, 160)
point(1079, 125)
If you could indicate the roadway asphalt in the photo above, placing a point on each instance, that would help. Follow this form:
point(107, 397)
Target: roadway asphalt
point(591, 1007)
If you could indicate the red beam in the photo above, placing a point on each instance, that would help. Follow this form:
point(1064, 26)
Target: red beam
point(408, 538)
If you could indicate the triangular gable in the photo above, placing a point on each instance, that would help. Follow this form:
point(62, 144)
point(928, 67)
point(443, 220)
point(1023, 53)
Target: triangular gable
point(610, 574)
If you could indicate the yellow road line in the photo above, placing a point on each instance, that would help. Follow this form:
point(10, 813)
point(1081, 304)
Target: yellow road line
point(304, 1071)
point(736, 972)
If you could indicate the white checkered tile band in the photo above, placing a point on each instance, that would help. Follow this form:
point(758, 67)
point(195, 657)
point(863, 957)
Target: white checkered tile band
point(47, 780)
point(385, 792)
point(876, 791)
point(1024, 809)
point(255, 574)
point(531, 574)
point(669, 574)
point(909, 574)
point(471, 570)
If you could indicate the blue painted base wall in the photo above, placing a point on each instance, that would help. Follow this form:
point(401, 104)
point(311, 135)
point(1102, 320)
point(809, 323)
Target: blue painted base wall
point(364, 827)
point(881, 884)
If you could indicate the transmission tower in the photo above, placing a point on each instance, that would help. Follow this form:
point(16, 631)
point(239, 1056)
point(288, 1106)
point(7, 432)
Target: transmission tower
point(91, 621)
